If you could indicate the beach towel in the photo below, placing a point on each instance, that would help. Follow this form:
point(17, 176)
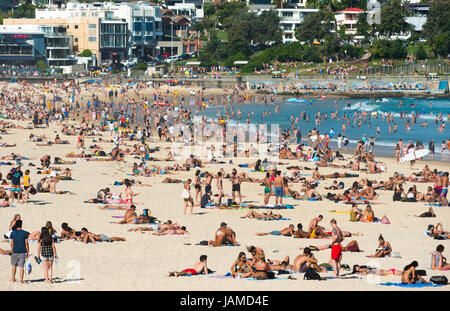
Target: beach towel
point(341, 277)
point(220, 245)
point(419, 285)
point(287, 206)
point(273, 219)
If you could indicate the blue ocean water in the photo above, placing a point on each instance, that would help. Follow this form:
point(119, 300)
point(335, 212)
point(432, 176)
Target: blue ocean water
point(428, 109)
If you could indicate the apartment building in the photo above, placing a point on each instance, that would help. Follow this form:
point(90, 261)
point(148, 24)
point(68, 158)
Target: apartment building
point(21, 45)
point(91, 26)
point(348, 18)
point(144, 26)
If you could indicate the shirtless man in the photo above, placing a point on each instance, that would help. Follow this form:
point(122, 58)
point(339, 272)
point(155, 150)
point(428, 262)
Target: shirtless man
point(304, 261)
point(278, 184)
point(289, 231)
point(198, 268)
point(175, 231)
point(336, 247)
point(236, 185)
point(219, 184)
point(131, 217)
point(314, 230)
point(224, 235)
point(438, 187)
point(299, 233)
point(444, 189)
point(208, 180)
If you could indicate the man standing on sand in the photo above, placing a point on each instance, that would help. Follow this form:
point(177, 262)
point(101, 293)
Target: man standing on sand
point(20, 250)
point(336, 247)
point(199, 268)
point(278, 184)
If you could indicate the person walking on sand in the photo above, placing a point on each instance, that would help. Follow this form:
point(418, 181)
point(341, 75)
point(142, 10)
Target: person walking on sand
point(20, 250)
point(336, 247)
point(47, 251)
point(187, 196)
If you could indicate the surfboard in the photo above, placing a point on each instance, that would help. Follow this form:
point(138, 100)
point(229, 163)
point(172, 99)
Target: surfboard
point(416, 155)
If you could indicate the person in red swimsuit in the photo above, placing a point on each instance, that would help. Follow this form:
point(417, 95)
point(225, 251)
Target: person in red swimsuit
point(199, 268)
point(336, 248)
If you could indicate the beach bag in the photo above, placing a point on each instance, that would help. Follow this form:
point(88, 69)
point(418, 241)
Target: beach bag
point(32, 190)
point(28, 266)
point(439, 279)
point(311, 274)
point(185, 194)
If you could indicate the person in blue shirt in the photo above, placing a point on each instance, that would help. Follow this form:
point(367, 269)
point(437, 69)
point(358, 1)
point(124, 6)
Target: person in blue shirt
point(20, 250)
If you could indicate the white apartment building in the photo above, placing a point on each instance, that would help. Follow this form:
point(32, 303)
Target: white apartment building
point(290, 20)
point(348, 18)
point(187, 9)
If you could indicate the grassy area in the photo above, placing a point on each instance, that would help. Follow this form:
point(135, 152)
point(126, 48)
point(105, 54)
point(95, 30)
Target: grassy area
point(222, 35)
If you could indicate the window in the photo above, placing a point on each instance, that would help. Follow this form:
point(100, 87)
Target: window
point(76, 39)
point(92, 39)
point(76, 26)
point(83, 14)
point(288, 14)
point(92, 26)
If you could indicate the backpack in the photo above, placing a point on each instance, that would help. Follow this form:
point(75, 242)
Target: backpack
point(439, 279)
point(10, 174)
point(311, 274)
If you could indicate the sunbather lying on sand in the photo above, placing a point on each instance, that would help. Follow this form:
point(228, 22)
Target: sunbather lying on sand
point(198, 268)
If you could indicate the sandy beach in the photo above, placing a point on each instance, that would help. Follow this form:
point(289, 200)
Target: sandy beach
point(143, 260)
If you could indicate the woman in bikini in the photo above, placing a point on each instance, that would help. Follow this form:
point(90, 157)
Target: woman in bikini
point(240, 266)
point(129, 194)
point(384, 248)
point(187, 196)
point(366, 270)
point(197, 185)
point(368, 215)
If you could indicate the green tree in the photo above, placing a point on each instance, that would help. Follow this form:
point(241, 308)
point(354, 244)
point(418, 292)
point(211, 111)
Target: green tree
point(420, 52)
point(331, 46)
point(209, 9)
point(389, 49)
point(393, 19)
point(315, 26)
point(140, 66)
point(438, 20)
point(86, 53)
point(26, 10)
point(441, 44)
point(41, 65)
point(362, 26)
point(266, 28)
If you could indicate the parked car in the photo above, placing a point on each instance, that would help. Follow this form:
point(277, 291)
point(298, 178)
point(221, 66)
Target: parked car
point(171, 59)
point(184, 56)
